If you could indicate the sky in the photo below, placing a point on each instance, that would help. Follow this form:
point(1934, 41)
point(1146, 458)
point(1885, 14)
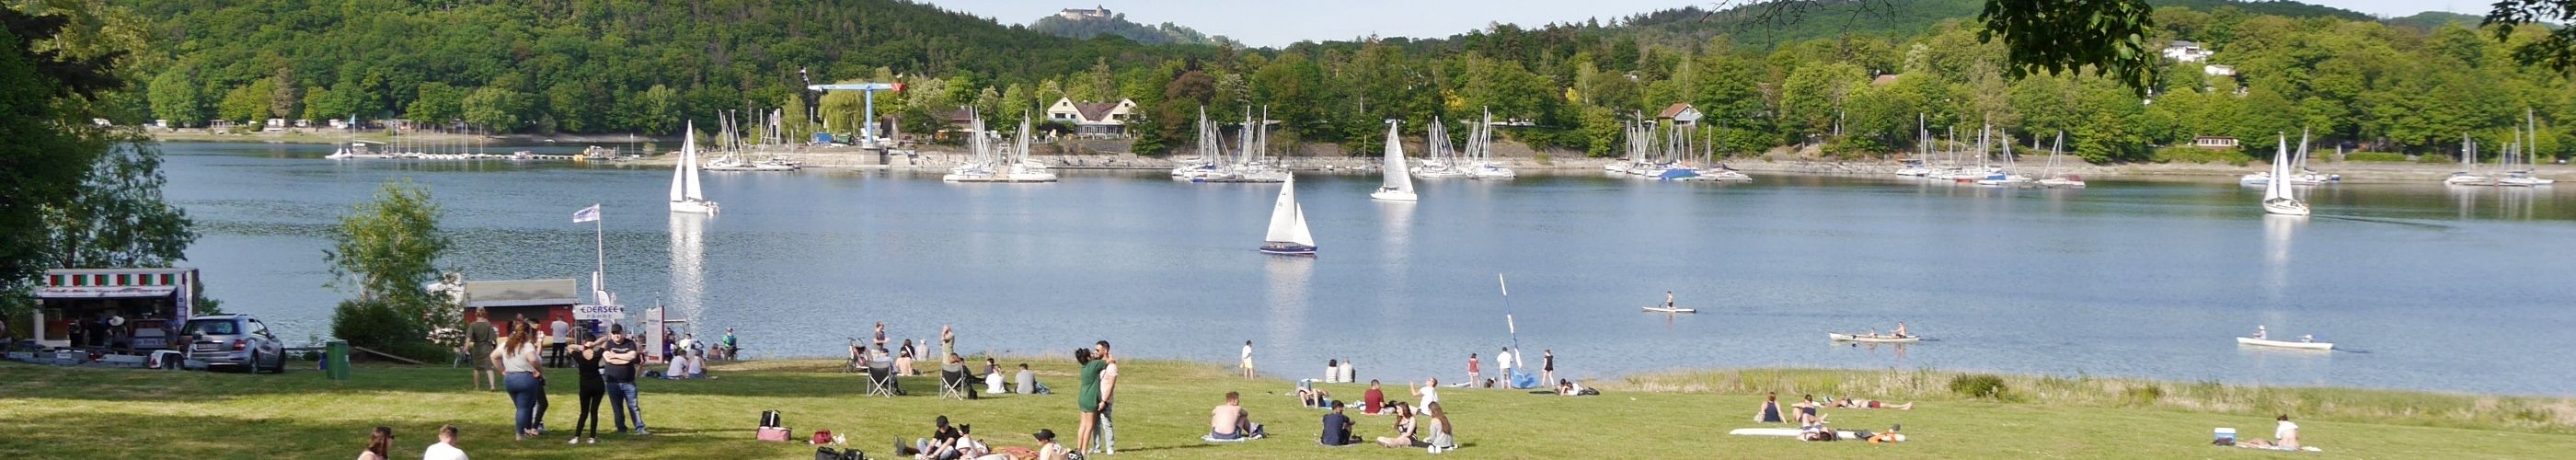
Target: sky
point(1278, 23)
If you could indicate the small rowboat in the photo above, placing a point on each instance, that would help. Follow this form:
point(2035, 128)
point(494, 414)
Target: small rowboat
point(1873, 339)
point(1655, 309)
point(2284, 344)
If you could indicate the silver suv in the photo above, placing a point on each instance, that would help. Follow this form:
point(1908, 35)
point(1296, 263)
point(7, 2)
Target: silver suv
point(235, 341)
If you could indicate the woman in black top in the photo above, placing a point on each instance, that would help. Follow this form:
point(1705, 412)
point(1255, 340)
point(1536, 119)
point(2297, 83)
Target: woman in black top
point(593, 388)
point(1547, 365)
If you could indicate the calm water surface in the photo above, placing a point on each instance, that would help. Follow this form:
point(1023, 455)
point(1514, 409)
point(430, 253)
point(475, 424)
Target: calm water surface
point(2425, 287)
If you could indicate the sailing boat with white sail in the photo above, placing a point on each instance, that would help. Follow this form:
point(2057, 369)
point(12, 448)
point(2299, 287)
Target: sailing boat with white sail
point(1288, 235)
point(1395, 185)
point(1438, 160)
point(1480, 152)
point(2527, 154)
point(2468, 174)
point(2276, 194)
point(1024, 169)
point(686, 194)
point(2053, 179)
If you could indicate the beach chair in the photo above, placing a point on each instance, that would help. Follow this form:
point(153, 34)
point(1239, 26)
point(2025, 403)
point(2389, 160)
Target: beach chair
point(881, 380)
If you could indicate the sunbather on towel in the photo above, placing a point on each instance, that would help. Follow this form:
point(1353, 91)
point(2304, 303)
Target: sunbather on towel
point(1870, 404)
point(1230, 422)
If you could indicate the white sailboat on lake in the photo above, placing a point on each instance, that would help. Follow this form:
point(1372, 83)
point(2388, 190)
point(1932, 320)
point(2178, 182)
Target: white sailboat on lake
point(2468, 174)
point(686, 193)
point(2053, 179)
point(1394, 184)
point(1288, 235)
point(2276, 193)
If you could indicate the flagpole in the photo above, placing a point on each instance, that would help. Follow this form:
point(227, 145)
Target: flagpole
point(599, 240)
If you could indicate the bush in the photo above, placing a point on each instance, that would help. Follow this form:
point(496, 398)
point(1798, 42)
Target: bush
point(2144, 395)
point(2376, 156)
point(376, 325)
point(1980, 386)
point(2187, 154)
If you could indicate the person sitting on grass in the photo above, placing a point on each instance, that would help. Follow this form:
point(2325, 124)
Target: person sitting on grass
point(1770, 411)
point(1027, 382)
point(445, 449)
point(1373, 401)
point(380, 444)
point(1428, 393)
point(1310, 396)
point(941, 445)
point(954, 375)
point(2285, 436)
point(1048, 449)
point(1337, 428)
point(1229, 422)
point(1442, 435)
point(1807, 410)
point(1870, 404)
point(1404, 428)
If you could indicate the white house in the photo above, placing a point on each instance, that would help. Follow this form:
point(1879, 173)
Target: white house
point(2218, 70)
point(2183, 51)
point(2213, 142)
point(1093, 118)
point(1680, 114)
point(1096, 12)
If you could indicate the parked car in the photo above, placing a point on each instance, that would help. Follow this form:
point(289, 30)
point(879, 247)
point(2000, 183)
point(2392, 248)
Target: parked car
point(234, 341)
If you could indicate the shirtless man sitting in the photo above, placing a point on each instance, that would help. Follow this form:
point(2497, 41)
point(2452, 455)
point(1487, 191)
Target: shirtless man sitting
point(1228, 422)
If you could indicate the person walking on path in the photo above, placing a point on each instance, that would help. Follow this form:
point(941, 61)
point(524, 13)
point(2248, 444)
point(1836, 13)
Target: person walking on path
point(517, 359)
point(623, 358)
point(1087, 400)
point(480, 337)
point(586, 365)
point(1107, 432)
point(1247, 359)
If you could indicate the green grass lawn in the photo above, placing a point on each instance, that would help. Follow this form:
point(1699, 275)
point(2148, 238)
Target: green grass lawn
point(52, 412)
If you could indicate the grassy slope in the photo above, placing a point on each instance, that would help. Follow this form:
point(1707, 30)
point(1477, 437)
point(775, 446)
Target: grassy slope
point(50, 412)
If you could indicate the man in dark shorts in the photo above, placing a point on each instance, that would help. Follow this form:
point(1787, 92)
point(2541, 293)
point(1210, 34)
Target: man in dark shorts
point(480, 338)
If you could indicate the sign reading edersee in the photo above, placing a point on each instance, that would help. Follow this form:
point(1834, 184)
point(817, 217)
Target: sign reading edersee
point(598, 312)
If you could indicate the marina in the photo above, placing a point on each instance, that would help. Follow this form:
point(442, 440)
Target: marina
point(2153, 276)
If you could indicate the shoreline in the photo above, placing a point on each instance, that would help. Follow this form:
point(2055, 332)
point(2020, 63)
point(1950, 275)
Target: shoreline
point(1109, 155)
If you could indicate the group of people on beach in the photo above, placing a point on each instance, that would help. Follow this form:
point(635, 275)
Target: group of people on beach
point(512, 356)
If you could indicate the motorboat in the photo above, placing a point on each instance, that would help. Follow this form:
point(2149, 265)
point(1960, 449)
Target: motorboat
point(2305, 343)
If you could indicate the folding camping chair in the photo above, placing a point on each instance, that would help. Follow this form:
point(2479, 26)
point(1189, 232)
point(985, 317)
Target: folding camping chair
point(953, 385)
point(881, 380)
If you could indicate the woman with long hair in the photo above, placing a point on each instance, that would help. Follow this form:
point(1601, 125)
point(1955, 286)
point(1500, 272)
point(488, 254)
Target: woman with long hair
point(517, 358)
point(1404, 428)
point(585, 361)
point(1440, 437)
point(380, 444)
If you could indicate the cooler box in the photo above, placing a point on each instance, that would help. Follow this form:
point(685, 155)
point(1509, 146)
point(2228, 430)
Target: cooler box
point(2224, 434)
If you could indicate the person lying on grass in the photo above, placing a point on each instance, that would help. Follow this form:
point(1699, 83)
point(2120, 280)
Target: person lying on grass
point(1870, 404)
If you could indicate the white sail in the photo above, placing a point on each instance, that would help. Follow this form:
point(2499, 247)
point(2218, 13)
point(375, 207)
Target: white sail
point(689, 168)
point(680, 172)
point(2279, 187)
point(1297, 233)
point(1286, 224)
point(1395, 178)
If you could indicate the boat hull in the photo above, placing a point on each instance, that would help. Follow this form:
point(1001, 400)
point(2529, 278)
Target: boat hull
point(1287, 249)
point(2285, 207)
point(2250, 341)
point(694, 207)
point(1390, 195)
point(1671, 310)
point(1868, 339)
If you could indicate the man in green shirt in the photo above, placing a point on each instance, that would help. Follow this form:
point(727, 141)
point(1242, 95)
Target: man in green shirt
point(480, 339)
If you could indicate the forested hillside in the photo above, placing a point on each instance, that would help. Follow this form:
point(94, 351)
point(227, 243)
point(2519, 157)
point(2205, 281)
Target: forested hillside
point(616, 66)
point(1165, 33)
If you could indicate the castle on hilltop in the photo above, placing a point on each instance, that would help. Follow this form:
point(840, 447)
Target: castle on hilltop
point(1096, 12)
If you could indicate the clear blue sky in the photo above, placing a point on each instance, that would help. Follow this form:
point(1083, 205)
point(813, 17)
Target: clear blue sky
point(1277, 23)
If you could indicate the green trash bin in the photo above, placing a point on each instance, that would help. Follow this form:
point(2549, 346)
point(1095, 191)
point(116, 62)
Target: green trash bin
point(336, 358)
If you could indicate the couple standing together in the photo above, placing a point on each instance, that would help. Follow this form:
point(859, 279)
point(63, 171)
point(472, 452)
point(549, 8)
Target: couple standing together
point(1099, 393)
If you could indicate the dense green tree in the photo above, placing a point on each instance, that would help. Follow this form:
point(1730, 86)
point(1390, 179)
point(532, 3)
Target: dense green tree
point(175, 97)
point(438, 103)
point(494, 108)
point(248, 103)
point(118, 218)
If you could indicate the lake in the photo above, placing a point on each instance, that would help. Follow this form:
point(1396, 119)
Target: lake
point(2421, 286)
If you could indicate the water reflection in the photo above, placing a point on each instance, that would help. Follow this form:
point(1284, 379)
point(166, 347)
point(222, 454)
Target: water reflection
point(2278, 230)
point(1289, 291)
point(688, 254)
